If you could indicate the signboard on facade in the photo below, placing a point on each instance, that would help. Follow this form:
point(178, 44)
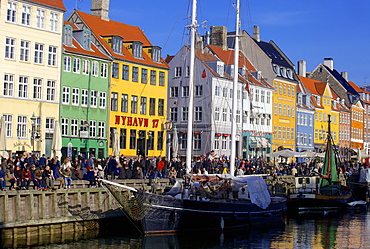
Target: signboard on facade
point(69, 150)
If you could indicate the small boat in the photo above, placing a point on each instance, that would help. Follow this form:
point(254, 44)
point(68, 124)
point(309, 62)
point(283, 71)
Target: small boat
point(202, 202)
point(322, 193)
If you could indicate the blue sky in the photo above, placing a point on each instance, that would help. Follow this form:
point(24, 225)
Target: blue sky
point(305, 30)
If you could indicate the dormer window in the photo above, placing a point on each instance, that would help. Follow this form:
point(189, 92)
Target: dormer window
point(220, 68)
point(137, 49)
point(289, 73)
point(283, 72)
point(86, 39)
point(156, 54)
point(117, 44)
point(276, 69)
point(67, 38)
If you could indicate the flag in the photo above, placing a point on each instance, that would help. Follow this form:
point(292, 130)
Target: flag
point(204, 74)
point(247, 87)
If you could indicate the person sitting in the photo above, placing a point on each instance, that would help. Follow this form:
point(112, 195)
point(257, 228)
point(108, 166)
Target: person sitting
point(38, 174)
point(67, 175)
point(91, 177)
point(59, 177)
point(26, 178)
point(2, 179)
point(48, 177)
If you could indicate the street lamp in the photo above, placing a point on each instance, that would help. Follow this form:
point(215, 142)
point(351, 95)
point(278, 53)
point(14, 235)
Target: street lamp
point(35, 131)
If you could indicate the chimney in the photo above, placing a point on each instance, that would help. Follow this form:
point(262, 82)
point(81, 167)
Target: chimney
point(302, 68)
point(329, 62)
point(344, 75)
point(256, 33)
point(100, 8)
point(219, 36)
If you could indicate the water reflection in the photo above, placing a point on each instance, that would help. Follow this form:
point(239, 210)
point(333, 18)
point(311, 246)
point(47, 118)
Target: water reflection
point(344, 231)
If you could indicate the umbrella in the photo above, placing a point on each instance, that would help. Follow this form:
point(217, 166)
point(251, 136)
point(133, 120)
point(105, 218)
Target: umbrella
point(3, 152)
point(175, 143)
point(56, 146)
point(115, 145)
point(286, 153)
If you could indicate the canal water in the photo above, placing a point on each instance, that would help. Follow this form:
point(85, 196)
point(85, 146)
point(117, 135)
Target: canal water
point(349, 230)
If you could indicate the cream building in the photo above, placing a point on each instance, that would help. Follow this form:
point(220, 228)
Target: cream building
point(30, 55)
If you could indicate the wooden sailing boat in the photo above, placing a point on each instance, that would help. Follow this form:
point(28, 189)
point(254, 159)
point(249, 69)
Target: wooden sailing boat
point(322, 193)
point(201, 202)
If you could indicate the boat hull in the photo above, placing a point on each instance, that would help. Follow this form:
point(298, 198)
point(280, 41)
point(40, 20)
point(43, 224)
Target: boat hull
point(170, 215)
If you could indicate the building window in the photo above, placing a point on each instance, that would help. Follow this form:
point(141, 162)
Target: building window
point(144, 75)
point(11, 12)
point(52, 56)
point(75, 96)
point(64, 126)
point(86, 39)
point(23, 87)
point(184, 141)
point(134, 104)
point(257, 96)
point(8, 85)
point(101, 129)
point(262, 96)
point(185, 112)
point(160, 107)
point(174, 92)
point(224, 143)
point(150, 140)
point(217, 91)
point(143, 105)
point(92, 128)
point(37, 88)
point(67, 35)
point(39, 53)
point(114, 101)
point(93, 98)
point(8, 124)
point(54, 21)
point(217, 113)
point(132, 139)
point(160, 140)
point(124, 103)
point(122, 139)
point(137, 49)
point(153, 77)
point(65, 95)
point(161, 78)
point(125, 72)
point(84, 97)
point(268, 97)
point(117, 44)
point(76, 65)
point(198, 90)
point(102, 100)
point(178, 71)
point(67, 64)
point(185, 91)
point(86, 67)
point(25, 51)
point(173, 114)
point(197, 141)
point(224, 92)
point(152, 106)
point(104, 70)
point(40, 19)
point(22, 126)
point(224, 114)
point(50, 90)
point(198, 114)
point(115, 68)
point(95, 68)
point(74, 127)
point(135, 74)
point(9, 48)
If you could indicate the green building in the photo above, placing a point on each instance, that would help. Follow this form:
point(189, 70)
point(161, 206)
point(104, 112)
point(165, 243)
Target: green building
point(84, 95)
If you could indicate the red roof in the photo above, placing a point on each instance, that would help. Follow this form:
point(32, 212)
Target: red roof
point(129, 33)
point(53, 3)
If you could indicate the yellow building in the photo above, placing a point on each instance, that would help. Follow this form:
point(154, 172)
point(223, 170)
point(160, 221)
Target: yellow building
point(284, 118)
point(138, 90)
point(31, 39)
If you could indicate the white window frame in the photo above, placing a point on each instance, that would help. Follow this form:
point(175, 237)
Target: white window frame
point(26, 15)
point(54, 21)
point(75, 96)
point(11, 15)
point(37, 88)
point(23, 87)
point(8, 85)
point(86, 67)
point(8, 124)
point(64, 127)
point(185, 113)
point(102, 100)
point(104, 70)
point(74, 127)
point(24, 52)
point(93, 98)
point(22, 126)
point(198, 114)
point(95, 68)
point(50, 90)
point(67, 63)
point(40, 19)
point(84, 97)
point(65, 95)
point(52, 56)
point(39, 53)
point(101, 129)
point(92, 128)
point(76, 65)
point(9, 48)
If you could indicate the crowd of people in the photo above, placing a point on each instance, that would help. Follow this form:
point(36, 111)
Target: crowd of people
point(49, 173)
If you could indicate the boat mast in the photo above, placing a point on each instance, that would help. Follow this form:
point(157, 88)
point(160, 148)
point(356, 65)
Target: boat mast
point(235, 90)
point(189, 147)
